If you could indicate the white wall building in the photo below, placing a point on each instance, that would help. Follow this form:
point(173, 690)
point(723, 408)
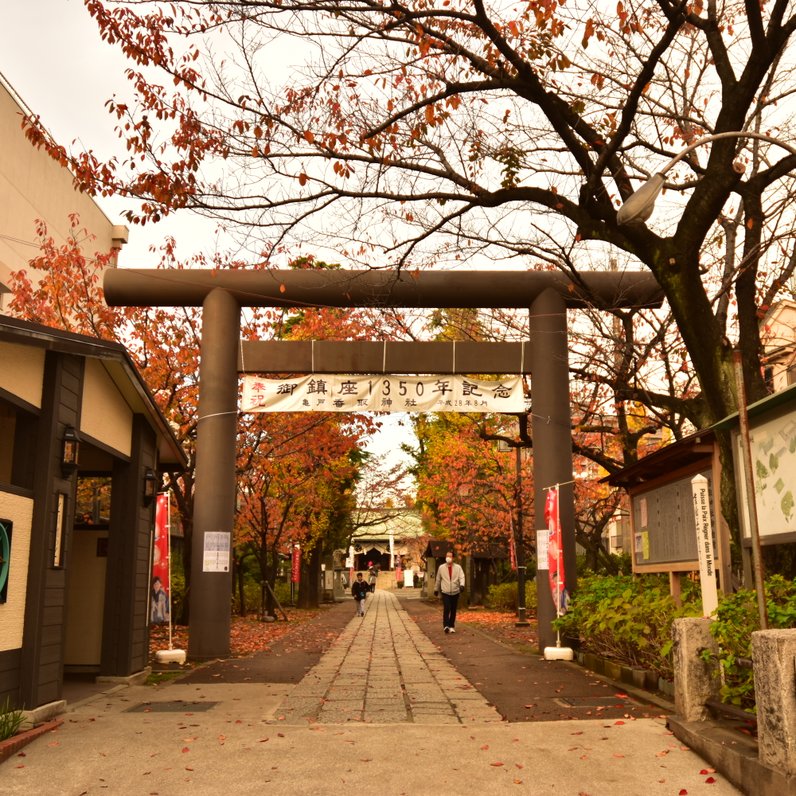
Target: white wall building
point(33, 186)
point(778, 335)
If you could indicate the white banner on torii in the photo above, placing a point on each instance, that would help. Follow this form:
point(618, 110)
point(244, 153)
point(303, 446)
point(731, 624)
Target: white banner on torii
point(381, 393)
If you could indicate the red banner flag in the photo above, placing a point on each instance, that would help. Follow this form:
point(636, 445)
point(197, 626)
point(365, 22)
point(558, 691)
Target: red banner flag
point(160, 607)
point(295, 573)
point(555, 553)
point(512, 549)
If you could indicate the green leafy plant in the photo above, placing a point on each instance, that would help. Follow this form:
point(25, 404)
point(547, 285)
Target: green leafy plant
point(177, 586)
point(282, 592)
point(737, 617)
point(503, 596)
point(10, 720)
point(627, 619)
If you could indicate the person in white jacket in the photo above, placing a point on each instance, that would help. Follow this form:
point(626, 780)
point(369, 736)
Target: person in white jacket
point(449, 582)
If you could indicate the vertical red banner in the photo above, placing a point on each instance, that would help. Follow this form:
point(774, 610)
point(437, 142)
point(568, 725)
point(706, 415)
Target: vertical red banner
point(295, 573)
point(555, 553)
point(160, 608)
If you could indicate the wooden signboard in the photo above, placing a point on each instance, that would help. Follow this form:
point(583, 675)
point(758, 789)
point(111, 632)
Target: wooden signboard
point(664, 532)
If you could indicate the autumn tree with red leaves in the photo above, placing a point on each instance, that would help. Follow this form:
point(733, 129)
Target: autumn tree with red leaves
point(466, 486)
point(300, 468)
point(296, 477)
point(297, 471)
point(61, 287)
point(419, 134)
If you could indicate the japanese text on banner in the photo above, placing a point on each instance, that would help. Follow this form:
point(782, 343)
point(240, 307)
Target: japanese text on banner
point(555, 553)
point(382, 393)
point(160, 598)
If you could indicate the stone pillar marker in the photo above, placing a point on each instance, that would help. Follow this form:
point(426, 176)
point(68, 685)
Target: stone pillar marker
point(694, 680)
point(774, 658)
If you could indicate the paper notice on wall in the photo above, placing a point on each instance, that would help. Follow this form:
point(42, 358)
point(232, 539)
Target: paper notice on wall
point(542, 537)
point(216, 552)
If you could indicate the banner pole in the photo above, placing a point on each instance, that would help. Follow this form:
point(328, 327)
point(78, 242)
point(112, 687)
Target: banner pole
point(170, 655)
point(168, 558)
point(557, 653)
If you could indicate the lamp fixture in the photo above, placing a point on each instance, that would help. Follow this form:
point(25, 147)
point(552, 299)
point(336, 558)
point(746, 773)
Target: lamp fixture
point(150, 485)
point(639, 205)
point(70, 451)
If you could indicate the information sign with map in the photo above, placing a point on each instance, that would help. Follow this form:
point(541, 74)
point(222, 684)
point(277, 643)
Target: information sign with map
point(773, 449)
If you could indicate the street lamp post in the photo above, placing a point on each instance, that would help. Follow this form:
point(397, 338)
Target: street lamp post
point(639, 207)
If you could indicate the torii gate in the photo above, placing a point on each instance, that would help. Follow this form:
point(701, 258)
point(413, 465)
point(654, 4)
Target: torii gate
point(222, 294)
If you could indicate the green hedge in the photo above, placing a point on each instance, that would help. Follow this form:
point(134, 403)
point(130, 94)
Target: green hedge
point(503, 596)
point(627, 619)
point(736, 618)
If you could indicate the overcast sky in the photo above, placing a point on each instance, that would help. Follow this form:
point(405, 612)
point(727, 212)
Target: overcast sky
point(50, 51)
point(52, 55)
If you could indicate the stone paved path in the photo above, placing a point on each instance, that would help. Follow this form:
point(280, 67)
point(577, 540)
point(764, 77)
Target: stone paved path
point(384, 670)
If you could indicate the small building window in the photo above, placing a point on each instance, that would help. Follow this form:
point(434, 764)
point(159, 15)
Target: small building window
point(93, 507)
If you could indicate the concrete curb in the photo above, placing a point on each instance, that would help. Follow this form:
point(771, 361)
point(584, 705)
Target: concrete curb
point(10, 746)
point(733, 755)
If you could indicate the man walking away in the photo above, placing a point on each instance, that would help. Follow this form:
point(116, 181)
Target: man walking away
point(360, 590)
point(450, 581)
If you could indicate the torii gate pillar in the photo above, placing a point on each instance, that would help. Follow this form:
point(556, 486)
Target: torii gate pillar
point(551, 431)
point(215, 487)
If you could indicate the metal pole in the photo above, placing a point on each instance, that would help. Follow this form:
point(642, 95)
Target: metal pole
point(214, 502)
point(757, 560)
point(519, 544)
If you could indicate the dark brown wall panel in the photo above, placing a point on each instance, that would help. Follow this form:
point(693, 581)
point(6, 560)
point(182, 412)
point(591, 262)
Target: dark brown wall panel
point(10, 661)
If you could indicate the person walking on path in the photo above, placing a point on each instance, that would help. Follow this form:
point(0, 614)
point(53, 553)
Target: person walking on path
point(360, 590)
point(450, 581)
point(373, 574)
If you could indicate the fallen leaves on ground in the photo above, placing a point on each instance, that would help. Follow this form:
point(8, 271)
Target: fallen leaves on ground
point(248, 635)
point(501, 625)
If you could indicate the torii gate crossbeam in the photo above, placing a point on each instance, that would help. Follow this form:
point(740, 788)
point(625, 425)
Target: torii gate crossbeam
point(547, 294)
point(333, 356)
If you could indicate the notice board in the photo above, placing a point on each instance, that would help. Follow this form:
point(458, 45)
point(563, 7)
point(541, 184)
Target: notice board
point(664, 532)
point(773, 453)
